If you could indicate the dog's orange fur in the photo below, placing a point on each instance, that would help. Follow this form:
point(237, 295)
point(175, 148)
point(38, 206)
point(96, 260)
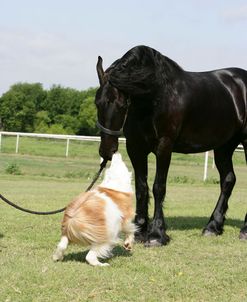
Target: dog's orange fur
point(97, 217)
point(84, 218)
point(122, 200)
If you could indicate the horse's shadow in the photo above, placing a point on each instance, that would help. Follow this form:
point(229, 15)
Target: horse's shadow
point(117, 251)
point(1, 236)
point(182, 223)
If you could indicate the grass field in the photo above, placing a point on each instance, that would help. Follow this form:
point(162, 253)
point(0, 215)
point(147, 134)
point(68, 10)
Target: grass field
point(190, 268)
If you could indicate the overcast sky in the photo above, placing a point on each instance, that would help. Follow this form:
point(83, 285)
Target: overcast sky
point(58, 41)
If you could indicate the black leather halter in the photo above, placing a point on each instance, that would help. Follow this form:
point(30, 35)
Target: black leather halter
point(114, 132)
point(109, 131)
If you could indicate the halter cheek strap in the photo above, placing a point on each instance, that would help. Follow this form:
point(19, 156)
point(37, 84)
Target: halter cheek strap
point(109, 131)
point(114, 132)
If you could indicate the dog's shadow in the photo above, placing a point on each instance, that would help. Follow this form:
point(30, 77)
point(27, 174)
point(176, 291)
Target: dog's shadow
point(117, 251)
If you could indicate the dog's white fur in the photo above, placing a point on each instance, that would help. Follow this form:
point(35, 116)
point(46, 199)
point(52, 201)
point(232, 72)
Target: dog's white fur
point(117, 177)
point(97, 217)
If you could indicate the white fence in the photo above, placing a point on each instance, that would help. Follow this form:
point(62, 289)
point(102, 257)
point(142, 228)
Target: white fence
point(205, 174)
point(81, 138)
point(68, 138)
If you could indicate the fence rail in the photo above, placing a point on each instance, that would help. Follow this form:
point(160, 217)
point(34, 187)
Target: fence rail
point(239, 148)
point(82, 138)
point(68, 138)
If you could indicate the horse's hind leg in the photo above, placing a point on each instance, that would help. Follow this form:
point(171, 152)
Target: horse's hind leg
point(223, 161)
point(243, 231)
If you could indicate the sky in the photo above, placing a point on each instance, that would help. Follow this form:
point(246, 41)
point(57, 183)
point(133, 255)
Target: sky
point(57, 42)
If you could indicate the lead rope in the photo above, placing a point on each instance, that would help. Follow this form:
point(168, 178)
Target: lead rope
point(97, 175)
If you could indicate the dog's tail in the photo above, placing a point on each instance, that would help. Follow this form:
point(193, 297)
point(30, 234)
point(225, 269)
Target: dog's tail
point(85, 224)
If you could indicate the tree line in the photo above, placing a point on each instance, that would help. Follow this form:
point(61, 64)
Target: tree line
point(29, 107)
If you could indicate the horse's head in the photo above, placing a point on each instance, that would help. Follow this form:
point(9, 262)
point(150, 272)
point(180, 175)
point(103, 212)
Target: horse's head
point(112, 106)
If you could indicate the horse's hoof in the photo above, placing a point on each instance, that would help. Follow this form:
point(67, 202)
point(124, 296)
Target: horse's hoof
point(208, 233)
point(153, 243)
point(140, 237)
point(243, 236)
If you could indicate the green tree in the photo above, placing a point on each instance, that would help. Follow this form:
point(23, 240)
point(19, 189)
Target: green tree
point(28, 107)
point(69, 123)
point(87, 117)
point(57, 129)
point(18, 106)
point(62, 101)
point(42, 122)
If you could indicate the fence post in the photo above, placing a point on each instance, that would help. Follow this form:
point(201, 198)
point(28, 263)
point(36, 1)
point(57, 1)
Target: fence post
point(17, 143)
point(213, 163)
point(67, 148)
point(205, 167)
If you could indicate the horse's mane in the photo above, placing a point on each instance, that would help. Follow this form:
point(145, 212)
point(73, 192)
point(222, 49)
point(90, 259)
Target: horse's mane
point(141, 70)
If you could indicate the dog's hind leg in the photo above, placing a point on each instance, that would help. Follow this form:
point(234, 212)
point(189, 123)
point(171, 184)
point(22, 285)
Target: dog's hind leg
point(129, 229)
point(98, 251)
point(62, 246)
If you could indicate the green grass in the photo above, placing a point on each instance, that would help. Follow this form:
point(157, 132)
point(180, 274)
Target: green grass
point(190, 268)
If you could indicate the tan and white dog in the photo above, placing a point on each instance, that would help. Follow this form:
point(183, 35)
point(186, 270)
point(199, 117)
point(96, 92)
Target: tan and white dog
point(96, 218)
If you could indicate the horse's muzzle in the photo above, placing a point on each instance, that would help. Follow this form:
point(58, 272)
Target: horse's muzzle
point(108, 146)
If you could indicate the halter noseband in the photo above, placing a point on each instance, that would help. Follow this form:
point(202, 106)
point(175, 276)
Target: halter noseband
point(109, 131)
point(114, 132)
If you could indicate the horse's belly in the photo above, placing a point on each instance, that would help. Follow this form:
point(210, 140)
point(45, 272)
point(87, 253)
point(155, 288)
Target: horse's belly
point(203, 140)
point(192, 147)
point(208, 130)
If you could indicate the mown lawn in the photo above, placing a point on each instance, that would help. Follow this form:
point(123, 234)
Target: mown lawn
point(190, 268)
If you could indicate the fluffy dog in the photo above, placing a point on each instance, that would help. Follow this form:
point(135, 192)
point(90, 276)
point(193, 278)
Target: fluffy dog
point(96, 218)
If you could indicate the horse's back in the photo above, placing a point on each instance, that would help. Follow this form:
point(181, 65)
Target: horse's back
point(213, 109)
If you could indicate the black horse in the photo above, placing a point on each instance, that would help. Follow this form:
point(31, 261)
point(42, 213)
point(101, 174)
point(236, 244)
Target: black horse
point(164, 109)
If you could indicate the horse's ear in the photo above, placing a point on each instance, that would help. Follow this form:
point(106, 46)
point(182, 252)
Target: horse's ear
point(100, 71)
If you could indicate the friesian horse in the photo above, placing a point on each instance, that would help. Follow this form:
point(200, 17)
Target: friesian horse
point(163, 109)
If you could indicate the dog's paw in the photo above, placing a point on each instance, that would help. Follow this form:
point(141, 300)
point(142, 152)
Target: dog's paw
point(98, 264)
point(104, 264)
point(128, 246)
point(57, 256)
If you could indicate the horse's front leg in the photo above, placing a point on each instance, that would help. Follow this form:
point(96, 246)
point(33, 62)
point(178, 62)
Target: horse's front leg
point(139, 162)
point(157, 231)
